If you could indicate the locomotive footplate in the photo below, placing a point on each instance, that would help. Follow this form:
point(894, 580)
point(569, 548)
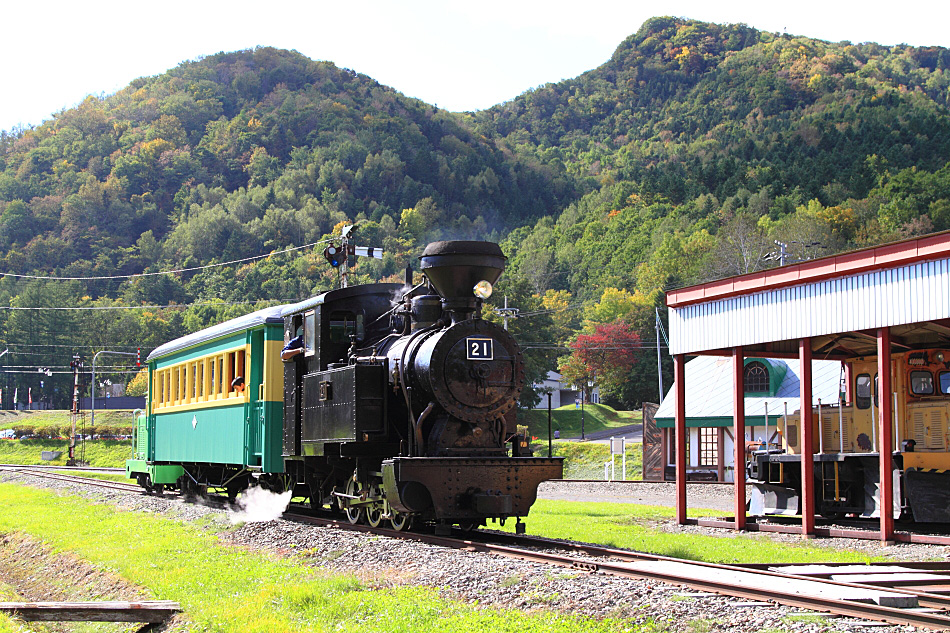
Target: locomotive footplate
point(466, 487)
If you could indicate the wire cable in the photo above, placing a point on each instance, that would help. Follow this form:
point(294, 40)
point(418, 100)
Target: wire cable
point(165, 272)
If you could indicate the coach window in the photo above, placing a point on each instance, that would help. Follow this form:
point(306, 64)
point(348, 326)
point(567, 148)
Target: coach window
point(921, 383)
point(310, 332)
point(945, 382)
point(862, 391)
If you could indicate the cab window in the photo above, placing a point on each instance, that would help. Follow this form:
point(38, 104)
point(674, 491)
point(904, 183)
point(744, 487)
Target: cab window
point(862, 391)
point(345, 324)
point(309, 332)
point(921, 383)
point(945, 382)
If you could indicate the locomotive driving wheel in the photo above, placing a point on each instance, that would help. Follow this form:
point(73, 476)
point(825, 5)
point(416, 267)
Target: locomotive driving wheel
point(374, 511)
point(353, 514)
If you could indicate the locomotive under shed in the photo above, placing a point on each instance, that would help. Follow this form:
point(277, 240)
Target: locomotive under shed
point(882, 312)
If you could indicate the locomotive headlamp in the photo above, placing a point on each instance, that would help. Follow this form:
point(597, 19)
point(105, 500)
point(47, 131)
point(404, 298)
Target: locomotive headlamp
point(483, 289)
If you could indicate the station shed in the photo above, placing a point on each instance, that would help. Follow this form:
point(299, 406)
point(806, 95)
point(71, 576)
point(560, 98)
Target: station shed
point(771, 389)
point(861, 303)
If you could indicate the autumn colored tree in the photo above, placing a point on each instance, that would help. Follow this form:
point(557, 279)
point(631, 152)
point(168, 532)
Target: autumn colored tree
point(607, 356)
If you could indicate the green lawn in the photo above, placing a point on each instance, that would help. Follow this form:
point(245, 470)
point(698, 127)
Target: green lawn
point(643, 528)
point(567, 420)
point(57, 422)
point(585, 460)
point(227, 589)
point(102, 453)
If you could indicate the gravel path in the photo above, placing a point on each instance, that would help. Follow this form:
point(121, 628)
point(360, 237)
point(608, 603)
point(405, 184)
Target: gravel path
point(490, 580)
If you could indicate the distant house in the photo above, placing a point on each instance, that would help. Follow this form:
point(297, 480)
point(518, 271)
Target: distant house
point(770, 385)
point(562, 393)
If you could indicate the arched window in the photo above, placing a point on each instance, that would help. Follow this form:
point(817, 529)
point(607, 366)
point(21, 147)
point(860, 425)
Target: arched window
point(756, 378)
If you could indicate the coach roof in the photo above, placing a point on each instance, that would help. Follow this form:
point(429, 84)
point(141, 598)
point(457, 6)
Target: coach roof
point(239, 324)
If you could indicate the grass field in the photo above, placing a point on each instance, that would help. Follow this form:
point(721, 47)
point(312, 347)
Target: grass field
point(638, 527)
point(103, 453)
point(567, 420)
point(585, 460)
point(228, 589)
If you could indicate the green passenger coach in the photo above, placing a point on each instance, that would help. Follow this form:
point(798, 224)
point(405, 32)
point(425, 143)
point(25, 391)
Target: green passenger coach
point(199, 430)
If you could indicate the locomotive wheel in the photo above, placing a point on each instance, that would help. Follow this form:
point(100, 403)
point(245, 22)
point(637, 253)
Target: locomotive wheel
point(468, 526)
point(353, 515)
point(400, 521)
point(374, 512)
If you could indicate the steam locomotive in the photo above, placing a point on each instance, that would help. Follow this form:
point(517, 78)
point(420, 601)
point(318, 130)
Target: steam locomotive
point(399, 408)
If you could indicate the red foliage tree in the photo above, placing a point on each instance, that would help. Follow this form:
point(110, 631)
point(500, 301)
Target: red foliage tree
point(606, 356)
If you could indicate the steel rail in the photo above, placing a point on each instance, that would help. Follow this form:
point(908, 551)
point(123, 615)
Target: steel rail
point(89, 481)
point(616, 562)
point(864, 611)
point(103, 469)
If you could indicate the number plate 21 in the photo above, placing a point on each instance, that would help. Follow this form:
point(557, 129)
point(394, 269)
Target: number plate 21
point(480, 348)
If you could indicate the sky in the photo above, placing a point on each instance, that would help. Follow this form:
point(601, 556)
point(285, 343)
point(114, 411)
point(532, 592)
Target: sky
point(457, 55)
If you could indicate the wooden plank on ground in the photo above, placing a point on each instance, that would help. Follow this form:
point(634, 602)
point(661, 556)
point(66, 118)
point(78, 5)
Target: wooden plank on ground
point(892, 580)
point(152, 611)
point(830, 570)
point(685, 572)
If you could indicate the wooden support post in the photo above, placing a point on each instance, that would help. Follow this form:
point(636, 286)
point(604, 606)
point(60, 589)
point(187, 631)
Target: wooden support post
point(738, 418)
point(806, 437)
point(143, 611)
point(886, 433)
point(679, 377)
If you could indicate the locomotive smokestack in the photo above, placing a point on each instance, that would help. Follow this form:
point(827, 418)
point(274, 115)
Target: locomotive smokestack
point(454, 268)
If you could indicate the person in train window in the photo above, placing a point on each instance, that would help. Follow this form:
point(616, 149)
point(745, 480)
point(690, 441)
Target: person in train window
point(293, 347)
point(237, 385)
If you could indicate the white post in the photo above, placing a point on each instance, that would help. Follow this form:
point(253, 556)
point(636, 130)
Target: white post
point(873, 426)
point(624, 460)
point(897, 426)
point(785, 421)
point(766, 428)
point(821, 436)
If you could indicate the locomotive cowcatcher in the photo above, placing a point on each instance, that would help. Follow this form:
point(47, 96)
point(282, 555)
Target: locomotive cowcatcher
point(400, 408)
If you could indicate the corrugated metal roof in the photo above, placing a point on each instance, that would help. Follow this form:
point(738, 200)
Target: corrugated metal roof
point(709, 389)
point(914, 293)
point(254, 319)
point(893, 255)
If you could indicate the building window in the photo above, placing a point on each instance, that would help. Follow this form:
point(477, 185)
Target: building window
point(756, 378)
point(708, 446)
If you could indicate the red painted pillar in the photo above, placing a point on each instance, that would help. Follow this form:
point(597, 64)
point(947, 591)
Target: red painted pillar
point(886, 432)
point(806, 437)
point(738, 419)
point(679, 378)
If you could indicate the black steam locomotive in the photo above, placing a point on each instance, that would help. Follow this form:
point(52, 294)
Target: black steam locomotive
point(399, 407)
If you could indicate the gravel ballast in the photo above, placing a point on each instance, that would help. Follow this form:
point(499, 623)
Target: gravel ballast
point(492, 581)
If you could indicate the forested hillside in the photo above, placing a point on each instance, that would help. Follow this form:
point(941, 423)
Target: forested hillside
point(682, 158)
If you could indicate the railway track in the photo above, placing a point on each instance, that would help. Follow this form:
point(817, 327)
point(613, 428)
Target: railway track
point(916, 594)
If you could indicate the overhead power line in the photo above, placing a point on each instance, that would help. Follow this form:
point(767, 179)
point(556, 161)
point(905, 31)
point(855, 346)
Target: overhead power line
point(164, 272)
point(150, 307)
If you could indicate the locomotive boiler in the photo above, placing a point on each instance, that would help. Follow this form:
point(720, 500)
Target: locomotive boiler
point(400, 407)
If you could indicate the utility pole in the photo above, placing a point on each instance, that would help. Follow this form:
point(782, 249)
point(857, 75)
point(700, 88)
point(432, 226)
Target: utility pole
point(76, 366)
point(507, 312)
point(659, 358)
point(660, 330)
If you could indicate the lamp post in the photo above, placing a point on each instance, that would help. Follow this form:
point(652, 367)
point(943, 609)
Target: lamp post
point(590, 385)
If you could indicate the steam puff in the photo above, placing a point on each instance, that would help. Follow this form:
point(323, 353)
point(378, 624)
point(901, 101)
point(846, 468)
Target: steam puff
point(258, 505)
